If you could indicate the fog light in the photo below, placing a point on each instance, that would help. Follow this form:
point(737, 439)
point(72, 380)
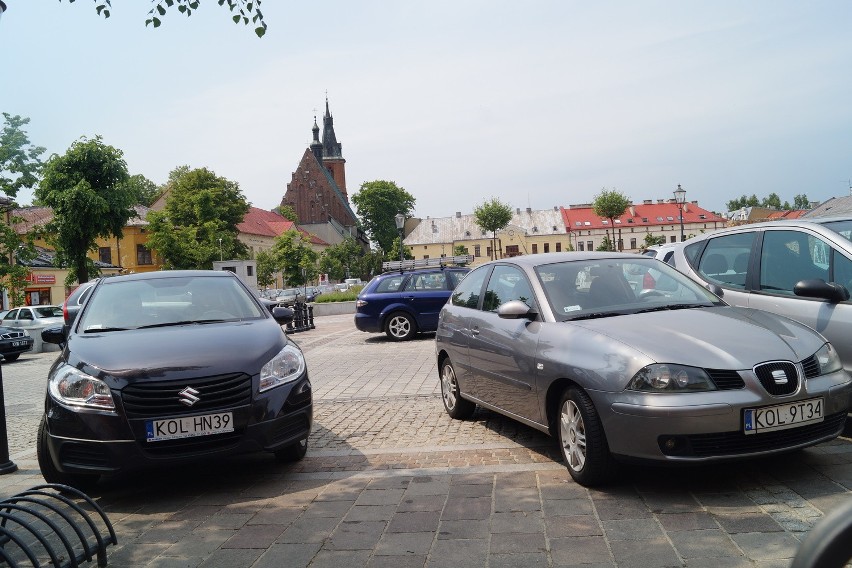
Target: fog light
point(670, 444)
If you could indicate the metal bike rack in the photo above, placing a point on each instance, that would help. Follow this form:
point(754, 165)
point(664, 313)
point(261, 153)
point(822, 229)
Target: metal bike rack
point(53, 525)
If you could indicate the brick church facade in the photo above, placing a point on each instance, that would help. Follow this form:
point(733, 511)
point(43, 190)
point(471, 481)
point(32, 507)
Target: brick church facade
point(317, 191)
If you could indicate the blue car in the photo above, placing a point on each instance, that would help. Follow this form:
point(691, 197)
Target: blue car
point(403, 303)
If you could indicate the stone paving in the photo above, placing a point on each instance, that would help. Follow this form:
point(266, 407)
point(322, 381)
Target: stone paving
point(390, 480)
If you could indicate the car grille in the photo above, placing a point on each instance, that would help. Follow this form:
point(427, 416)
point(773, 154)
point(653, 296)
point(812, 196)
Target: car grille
point(726, 380)
point(147, 400)
point(736, 443)
point(13, 335)
point(765, 372)
point(811, 367)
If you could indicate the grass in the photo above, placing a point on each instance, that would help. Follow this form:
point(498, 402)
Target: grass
point(348, 296)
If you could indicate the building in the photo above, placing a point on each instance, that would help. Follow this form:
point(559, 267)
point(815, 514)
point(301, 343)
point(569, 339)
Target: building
point(832, 207)
point(317, 190)
point(661, 219)
point(260, 228)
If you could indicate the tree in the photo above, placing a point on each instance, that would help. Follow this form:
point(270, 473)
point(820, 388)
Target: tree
point(287, 212)
point(742, 202)
point(393, 253)
point(606, 244)
point(378, 202)
point(265, 269)
point(13, 250)
point(610, 204)
point(294, 258)
point(771, 201)
point(801, 201)
point(87, 190)
point(342, 260)
point(20, 165)
point(145, 192)
point(493, 216)
point(651, 240)
point(199, 222)
point(244, 11)
point(460, 250)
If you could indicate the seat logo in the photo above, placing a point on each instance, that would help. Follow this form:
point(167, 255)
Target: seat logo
point(188, 396)
point(779, 376)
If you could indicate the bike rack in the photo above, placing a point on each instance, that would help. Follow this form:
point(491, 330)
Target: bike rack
point(53, 525)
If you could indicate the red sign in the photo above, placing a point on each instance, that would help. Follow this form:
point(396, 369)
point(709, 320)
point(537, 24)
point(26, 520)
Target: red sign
point(41, 278)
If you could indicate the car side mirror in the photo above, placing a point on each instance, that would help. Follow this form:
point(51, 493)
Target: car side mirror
point(55, 335)
point(819, 288)
point(282, 315)
point(516, 309)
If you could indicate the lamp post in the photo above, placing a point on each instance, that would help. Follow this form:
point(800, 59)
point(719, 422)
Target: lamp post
point(221, 254)
point(400, 226)
point(680, 199)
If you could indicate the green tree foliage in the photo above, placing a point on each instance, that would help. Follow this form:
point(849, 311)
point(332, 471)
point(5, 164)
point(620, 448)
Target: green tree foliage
point(460, 250)
point(87, 190)
point(245, 11)
point(292, 256)
point(606, 244)
point(342, 260)
point(20, 165)
point(287, 212)
point(652, 240)
point(377, 203)
point(492, 216)
point(145, 192)
point(393, 253)
point(13, 249)
point(772, 201)
point(610, 204)
point(199, 222)
point(801, 201)
point(265, 269)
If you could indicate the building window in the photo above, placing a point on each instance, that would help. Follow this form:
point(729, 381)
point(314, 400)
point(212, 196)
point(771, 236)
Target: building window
point(249, 270)
point(425, 256)
point(620, 244)
point(673, 238)
point(546, 247)
point(558, 247)
point(512, 250)
point(591, 245)
point(535, 248)
point(476, 250)
point(633, 243)
point(488, 252)
point(143, 255)
point(580, 245)
point(105, 254)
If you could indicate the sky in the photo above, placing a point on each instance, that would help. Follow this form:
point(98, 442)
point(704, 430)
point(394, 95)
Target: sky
point(537, 103)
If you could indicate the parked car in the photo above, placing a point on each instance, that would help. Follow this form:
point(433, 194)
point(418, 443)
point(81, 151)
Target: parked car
point(799, 268)
point(290, 296)
point(13, 342)
point(562, 343)
point(165, 368)
point(77, 298)
point(663, 252)
point(404, 303)
point(32, 316)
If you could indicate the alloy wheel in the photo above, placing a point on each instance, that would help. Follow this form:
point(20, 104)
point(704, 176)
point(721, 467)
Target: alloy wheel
point(572, 436)
point(449, 387)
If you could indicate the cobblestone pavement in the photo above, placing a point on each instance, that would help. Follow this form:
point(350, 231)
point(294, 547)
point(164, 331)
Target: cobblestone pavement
point(390, 480)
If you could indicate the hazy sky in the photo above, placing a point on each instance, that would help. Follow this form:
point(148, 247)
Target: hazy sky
point(536, 103)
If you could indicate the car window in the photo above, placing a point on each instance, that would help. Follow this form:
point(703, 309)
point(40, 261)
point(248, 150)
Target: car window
point(389, 284)
point(25, 314)
point(427, 281)
point(725, 261)
point(841, 269)
point(790, 256)
point(13, 314)
point(455, 277)
point(507, 283)
point(48, 312)
point(468, 291)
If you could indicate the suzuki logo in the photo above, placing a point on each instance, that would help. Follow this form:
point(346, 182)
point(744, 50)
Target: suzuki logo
point(780, 377)
point(189, 396)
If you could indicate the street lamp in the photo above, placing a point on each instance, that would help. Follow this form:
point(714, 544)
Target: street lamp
point(221, 254)
point(400, 226)
point(680, 199)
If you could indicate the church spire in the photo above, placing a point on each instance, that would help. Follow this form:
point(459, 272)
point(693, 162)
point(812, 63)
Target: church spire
point(331, 148)
point(316, 145)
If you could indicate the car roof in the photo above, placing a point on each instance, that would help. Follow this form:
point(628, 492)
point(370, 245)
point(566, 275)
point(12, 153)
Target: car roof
point(531, 260)
point(816, 224)
point(170, 274)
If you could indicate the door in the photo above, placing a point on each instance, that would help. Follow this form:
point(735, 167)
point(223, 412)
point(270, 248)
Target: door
point(426, 293)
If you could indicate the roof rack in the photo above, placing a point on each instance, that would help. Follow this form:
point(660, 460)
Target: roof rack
point(401, 265)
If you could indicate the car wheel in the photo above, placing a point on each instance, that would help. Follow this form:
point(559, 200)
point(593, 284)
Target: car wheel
point(454, 404)
point(400, 326)
point(49, 471)
point(10, 358)
point(293, 452)
point(582, 440)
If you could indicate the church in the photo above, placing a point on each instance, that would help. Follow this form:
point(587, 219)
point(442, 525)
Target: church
point(317, 191)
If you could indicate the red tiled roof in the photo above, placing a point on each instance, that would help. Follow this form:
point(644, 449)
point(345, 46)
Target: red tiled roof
point(795, 214)
point(641, 215)
point(270, 224)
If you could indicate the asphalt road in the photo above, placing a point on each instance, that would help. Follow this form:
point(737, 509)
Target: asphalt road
point(390, 480)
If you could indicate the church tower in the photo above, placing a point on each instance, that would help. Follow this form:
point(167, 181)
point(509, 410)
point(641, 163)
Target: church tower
point(332, 151)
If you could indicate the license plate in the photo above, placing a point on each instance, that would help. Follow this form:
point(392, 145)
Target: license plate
point(782, 416)
point(189, 426)
point(18, 343)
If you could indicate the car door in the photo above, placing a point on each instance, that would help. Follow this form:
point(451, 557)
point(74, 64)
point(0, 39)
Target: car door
point(788, 256)
point(502, 351)
point(426, 293)
point(725, 261)
point(11, 318)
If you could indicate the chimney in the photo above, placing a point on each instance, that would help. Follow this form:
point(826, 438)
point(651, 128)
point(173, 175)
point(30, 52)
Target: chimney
point(647, 202)
point(458, 214)
point(529, 209)
point(518, 211)
point(632, 210)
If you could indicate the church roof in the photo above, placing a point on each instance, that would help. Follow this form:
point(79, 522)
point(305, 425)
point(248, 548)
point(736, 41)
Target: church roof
point(270, 224)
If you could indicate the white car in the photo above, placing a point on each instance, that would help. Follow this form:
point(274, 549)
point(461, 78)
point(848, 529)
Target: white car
point(31, 316)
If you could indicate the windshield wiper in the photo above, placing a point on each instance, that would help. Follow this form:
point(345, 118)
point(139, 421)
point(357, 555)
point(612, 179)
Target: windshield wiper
point(104, 329)
point(182, 322)
point(672, 307)
point(596, 315)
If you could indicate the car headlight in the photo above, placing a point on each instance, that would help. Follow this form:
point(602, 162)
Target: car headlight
point(72, 387)
point(671, 378)
point(284, 368)
point(828, 359)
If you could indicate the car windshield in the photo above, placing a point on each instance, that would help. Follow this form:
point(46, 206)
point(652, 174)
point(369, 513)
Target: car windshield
point(842, 228)
point(48, 311)
point(131, 304)
point(588, 289)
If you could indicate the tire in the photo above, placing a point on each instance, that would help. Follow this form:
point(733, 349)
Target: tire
point(48, 469)
point(457, 407)
point(294, 452)
point(400, 326)
point(582, 440)
point(10, 358)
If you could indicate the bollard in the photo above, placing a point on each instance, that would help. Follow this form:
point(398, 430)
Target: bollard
point(311, 317)
point(6, 465)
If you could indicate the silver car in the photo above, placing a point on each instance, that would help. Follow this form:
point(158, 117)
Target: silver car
point(31, 316)
point(564, 344)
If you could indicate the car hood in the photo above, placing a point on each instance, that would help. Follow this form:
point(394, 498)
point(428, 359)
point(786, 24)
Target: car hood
point(177, 352)
point(717, 338)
